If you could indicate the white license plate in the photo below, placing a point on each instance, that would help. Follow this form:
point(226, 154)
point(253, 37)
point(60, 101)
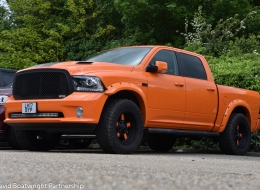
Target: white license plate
point(29, 107)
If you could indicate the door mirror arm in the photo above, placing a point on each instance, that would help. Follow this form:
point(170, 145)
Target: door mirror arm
point(151, 68)
point(158, 67)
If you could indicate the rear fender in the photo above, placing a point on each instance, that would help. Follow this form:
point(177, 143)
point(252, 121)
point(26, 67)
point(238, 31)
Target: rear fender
point(230, 108)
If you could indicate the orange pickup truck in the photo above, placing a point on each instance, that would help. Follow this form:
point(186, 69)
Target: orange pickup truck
point(121, 94)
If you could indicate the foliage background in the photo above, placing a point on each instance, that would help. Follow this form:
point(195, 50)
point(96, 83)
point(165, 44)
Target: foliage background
point(226, 32)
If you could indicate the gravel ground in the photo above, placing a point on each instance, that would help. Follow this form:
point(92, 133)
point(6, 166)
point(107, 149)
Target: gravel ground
point(92, 169)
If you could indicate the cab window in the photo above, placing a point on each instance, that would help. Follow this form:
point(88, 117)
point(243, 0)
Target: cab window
point(170, 58)
point(192, 67)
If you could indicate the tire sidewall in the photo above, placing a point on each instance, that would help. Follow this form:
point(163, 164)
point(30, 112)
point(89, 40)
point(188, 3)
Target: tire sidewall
point(241, 119)
point(132, 143)
point(227, 138)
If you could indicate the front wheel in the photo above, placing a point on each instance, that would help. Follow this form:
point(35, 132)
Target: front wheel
point(37, 140)
point(120, 129)
point(236, 138)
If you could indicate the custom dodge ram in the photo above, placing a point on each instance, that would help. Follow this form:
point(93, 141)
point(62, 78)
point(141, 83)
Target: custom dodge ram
point(121, 94)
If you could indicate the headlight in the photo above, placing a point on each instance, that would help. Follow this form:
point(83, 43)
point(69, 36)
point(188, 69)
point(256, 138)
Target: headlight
point(3, 99)
point(87, 84)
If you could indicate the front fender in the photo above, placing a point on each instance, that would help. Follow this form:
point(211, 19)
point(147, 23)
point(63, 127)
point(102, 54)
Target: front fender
point(139, 93)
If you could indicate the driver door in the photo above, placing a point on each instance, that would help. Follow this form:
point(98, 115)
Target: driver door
point(166, 93)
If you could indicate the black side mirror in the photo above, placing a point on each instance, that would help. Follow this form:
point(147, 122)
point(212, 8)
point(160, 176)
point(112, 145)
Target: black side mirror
point(158, 67)
point(151, 68)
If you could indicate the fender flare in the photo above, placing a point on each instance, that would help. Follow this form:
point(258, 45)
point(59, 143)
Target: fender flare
point(230, 108)
point(125, 86)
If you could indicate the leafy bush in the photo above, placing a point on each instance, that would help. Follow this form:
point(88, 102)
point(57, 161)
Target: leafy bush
point(255, 142)
point(242, 71)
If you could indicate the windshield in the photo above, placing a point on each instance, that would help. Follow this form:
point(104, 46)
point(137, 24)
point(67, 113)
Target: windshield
point(124, 56)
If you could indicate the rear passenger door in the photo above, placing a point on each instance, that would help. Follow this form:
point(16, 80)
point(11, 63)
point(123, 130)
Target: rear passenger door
point(201, 94)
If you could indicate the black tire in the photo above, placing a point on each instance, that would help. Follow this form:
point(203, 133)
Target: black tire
point(160, 142)
point(120, 129)
point(12, 139)
point(236, 138)
point(80, 143)
point(37, 140)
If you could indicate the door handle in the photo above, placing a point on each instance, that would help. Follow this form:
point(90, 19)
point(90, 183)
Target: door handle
point(179, 84)
point(211, 89)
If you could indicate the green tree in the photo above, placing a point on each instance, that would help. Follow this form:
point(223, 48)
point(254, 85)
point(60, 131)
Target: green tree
point(162, 22)
point(5, 21)
point(55, 31)
point(151, 21)
point(98, 30)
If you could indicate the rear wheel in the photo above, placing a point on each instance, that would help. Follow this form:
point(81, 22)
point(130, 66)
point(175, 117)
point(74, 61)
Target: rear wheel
point(120, 129)
point(236, 138)
point(37, 140)
point(160, 142)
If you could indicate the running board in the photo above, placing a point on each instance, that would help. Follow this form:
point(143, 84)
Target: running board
point(78, 136)
point(183, 132)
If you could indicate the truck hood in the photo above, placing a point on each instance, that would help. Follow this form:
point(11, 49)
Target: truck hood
point(84, 67)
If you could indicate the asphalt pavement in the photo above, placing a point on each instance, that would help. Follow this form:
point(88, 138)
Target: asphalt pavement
point(93, 169)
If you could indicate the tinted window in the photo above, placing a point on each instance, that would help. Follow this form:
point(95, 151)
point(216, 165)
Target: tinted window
point(193, 67)
point(170, 58)
point(124, 56)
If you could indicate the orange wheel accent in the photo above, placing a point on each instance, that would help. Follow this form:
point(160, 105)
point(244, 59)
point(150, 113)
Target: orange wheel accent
point(240, 135)
point(238, 142)
point(118, 134)
point(122, 117)
point(238, 127)
point(125, 136)
point(117, 124)
point(128, 124)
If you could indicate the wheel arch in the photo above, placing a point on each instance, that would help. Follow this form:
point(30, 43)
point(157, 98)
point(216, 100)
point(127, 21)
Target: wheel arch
point(236, 106)
point(128, 91)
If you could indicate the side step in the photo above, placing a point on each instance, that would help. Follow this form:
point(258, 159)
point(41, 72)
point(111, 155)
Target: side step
point(183, 132)
point(78, 136)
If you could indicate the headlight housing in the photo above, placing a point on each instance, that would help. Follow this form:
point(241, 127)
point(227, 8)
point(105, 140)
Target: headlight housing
point(87, 84)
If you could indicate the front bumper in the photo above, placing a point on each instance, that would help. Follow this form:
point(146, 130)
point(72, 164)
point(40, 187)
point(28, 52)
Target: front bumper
point(92, 104)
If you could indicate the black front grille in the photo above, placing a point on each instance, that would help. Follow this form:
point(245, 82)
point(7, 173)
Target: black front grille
point(42, 84)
